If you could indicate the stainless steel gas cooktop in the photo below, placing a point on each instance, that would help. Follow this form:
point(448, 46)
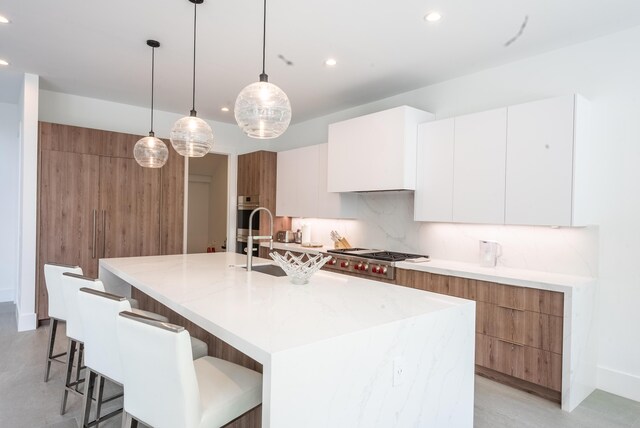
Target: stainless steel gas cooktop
point(367, 262)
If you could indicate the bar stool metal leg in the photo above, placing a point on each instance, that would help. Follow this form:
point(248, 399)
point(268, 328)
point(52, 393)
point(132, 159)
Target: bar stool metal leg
point(100, 381)
point(128, 421)
point(71, 351)
point(90, 380)
point(53, 326)
point(80, 365)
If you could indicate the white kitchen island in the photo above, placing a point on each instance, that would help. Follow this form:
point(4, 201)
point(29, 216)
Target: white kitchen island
point(340, 351)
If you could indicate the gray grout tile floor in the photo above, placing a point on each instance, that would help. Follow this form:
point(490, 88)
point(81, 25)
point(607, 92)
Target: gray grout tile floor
point(26, 401)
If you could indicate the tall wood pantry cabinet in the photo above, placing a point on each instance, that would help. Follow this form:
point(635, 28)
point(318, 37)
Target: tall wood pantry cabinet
point(95, 201)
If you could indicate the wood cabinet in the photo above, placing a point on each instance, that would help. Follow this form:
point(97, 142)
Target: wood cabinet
point(302, 186)
point(257, 172)
point(95, 201)
point(545, 140)
point(375, 152)
point(519, 331)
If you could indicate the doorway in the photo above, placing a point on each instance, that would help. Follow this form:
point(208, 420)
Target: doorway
point(207, 204)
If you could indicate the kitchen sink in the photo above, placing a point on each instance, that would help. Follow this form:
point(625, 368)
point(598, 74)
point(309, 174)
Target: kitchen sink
point(272, 270)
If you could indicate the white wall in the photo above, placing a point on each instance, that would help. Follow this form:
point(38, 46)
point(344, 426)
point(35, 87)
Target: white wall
point(605, 71)
point(28, 172)
point(9, 159)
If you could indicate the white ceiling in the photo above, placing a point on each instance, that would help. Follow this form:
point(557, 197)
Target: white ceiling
point(383, 47)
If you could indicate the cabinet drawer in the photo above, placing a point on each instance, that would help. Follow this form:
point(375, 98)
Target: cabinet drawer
point(498, 294)
point(500, 355)
point(543, 331)
point(500, 322)
point(543, 368)
point(544, 301)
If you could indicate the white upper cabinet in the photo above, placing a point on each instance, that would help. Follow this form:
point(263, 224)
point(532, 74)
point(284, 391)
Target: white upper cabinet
point(543, 175)
point(479, 167)
point(297, 182)
point(375, 152)
point(527, 164)
point(434, 184)
point(301, 186)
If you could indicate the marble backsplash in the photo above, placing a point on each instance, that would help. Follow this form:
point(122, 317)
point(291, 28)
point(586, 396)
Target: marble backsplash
point(385, 221)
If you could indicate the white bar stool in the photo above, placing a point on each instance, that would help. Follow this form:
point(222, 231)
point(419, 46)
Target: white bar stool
point(57, 311)
point(207, 392)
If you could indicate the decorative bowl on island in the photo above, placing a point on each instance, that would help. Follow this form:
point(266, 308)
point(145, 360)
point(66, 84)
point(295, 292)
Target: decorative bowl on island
point(299, 268)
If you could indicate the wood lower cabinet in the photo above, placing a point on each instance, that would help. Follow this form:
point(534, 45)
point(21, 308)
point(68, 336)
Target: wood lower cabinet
point(95, 201)
point(519, 331)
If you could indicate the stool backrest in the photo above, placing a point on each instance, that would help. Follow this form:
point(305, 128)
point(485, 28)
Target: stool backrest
point(99, 311)
point(54, 282)
point(71, 286)
point(160, 385)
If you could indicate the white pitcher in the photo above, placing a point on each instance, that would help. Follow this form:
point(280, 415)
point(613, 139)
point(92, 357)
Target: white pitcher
point(489, 253)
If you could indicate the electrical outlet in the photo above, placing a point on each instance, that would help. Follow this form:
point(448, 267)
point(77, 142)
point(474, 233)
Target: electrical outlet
point(398, 371)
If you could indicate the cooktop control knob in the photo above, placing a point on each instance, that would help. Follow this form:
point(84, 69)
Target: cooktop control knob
point(383, 270)
point(344, 264)
point(332, 261)
point(364, 267)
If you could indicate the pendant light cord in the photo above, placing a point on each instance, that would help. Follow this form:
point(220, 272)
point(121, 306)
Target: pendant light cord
point(193, 95)
point(153, 65)
point(263, 76)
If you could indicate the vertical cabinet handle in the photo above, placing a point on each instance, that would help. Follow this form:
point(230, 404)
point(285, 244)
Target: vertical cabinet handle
point(104, 232)
point(93, 249)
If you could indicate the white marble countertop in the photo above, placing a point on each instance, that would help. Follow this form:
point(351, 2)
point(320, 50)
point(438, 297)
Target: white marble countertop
point(261, 314)
point(503, 275)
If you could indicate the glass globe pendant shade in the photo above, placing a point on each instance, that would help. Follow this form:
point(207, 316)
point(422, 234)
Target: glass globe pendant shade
point(192, 137)
point(150, 152)
point(263, 110)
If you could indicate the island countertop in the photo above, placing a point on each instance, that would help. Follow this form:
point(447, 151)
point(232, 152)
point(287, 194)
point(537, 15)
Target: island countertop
point(340, 351)
point(270, 314)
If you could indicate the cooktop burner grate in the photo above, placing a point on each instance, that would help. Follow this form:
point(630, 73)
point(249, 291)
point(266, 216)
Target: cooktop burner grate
point(389, 256)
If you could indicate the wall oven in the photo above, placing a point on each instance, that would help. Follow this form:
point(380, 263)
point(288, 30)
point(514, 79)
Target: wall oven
point(246, 204)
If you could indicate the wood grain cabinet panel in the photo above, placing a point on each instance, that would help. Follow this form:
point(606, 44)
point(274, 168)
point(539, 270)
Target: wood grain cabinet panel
point(544, 301)
point(501, 323)
point(86, 174)
point(500, 356)
point(543, 368)
point(543, 331)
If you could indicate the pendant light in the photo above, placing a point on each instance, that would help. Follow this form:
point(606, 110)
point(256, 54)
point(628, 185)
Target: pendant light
point(151, 152)
point(263, 109)
point(192, 136)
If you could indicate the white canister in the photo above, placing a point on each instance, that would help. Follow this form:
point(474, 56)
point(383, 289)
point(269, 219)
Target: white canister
point(489, 253)
point(306, 234)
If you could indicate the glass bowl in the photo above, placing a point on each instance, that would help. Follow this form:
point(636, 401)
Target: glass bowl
point(299, 268)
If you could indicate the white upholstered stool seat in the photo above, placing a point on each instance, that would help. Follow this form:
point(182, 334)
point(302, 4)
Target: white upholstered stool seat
point(207, 392)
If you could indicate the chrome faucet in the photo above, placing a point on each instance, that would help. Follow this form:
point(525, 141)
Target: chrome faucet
point(250, 238)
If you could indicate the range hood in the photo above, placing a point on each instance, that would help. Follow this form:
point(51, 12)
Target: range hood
point(376, 152)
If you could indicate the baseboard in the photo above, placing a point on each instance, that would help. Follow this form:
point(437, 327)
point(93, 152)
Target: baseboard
point(26, 321)
point(619, 383)
point(7, 295)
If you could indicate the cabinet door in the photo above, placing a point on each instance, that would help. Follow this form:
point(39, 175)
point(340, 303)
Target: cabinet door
point(479, 171)
point(332, 205)
point(130, 209)
point(540, 162)
point(434, 182)
point(297, 182)
point(68, 203)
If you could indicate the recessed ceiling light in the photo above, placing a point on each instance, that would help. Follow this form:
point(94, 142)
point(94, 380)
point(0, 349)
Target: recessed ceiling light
point(3, 62)
point(225, 109)
point(330, 62)
point(3, 20)
point(433, 16)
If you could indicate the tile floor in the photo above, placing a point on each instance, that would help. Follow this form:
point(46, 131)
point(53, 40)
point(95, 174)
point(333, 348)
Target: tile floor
point(26, 401)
